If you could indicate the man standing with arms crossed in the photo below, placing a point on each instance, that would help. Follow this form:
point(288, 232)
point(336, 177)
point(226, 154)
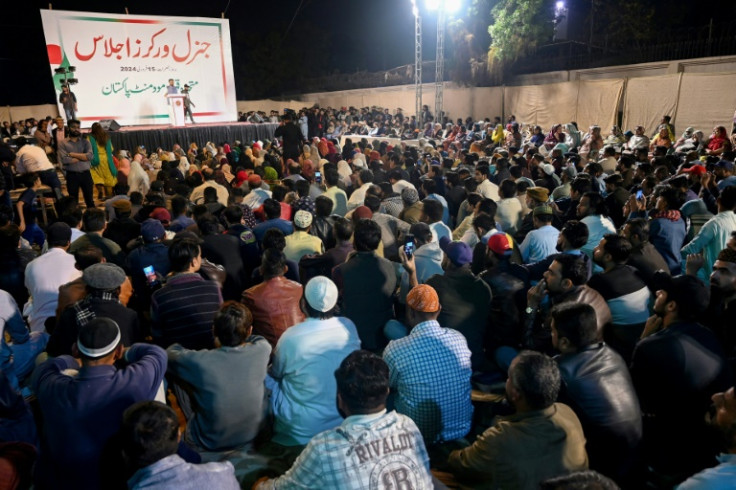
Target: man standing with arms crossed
point(75, 153)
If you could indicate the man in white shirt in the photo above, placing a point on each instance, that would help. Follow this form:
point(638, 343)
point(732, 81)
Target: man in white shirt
point(46, 273)
point(365, 180)
point(509, 212)
point(257, 195)
point(397, 183)
point(197, 196)
point(30, 158)
point(639, 141)
point(486, 188)
point(304, 362)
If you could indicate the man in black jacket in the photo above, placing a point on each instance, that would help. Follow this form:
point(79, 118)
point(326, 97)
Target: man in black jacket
point(291, 137)
point(597, 386)
point(676, 367)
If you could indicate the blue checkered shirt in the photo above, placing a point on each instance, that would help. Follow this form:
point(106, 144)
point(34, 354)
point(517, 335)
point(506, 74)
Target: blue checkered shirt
point(381, 450)
point(430, 373)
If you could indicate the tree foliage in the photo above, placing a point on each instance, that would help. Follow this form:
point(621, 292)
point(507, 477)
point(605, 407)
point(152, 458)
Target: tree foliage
point(626, 21)
point(519, 26)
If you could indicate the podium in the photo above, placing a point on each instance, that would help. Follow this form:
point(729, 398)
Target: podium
point(176, 109)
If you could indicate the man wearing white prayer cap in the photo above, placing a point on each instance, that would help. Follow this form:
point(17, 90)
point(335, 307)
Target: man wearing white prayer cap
point(301, 377)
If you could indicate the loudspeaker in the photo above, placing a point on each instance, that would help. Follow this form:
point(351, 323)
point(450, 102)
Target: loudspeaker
point(109, 125)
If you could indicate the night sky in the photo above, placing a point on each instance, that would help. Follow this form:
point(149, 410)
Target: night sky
point(326, 36)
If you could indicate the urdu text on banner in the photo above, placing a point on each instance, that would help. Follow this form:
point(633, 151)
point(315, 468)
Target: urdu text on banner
point(123, 64)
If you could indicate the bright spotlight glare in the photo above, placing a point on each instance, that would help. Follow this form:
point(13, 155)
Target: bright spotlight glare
point(560, 5)
point(433, 4)
point(452, 6)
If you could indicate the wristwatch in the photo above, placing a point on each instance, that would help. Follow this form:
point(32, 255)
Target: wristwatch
point(529, 310)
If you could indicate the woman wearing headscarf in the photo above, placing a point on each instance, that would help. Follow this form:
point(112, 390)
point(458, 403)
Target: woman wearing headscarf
point(226, 171)
point(347, 149)
point(573, 136)
point(686, 135)
point(537, 137)
point(183, 167)
point(554, 136)
point(322, 147)
point(498, 135)
point(306, 154)
point(138, 179)
point(592, 143)
point(314, 150)
point(240, 177)
point(615, 139)
point(428, 130)
point(693, 143)
point(661, 139)
point(718, 142)
point(344, 171)
point(102, 165)
point(513, 138)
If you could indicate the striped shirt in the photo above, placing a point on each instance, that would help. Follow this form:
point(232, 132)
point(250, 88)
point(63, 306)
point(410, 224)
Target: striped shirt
point(183, 310)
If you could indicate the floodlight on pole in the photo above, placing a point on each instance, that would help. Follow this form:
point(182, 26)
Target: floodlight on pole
point(560, 21)
point(443, 7)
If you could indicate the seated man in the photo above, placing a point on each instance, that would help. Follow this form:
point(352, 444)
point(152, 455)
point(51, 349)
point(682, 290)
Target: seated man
point(82, 412)
point(644, 257)
point(541, 242)
point(18, 347)
point(597, 386)
point(367, 284)
point(275, 302)
point(427, 257)
point(152, 252)
point(372, 448)
point(723, 418)
point(305, 357)
point(46, 273)
point(301, 242)
point(564, 282)
point(542, 439)
point(272, 208)
point(150, 437)
point(95, 224)
point(625, 292)
point(430, 371)
point(103, 282)
point(465, 299)
point(678, 355)
point(225, 411)
point(182, 311)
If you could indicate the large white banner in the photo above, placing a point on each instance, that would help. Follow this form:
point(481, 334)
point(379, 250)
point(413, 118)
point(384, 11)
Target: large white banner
point(123, 64)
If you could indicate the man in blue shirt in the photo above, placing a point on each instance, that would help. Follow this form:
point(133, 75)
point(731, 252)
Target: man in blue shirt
point(541, 242)
point(430, 371)
point(150, 435)
point(82, 411)
point(272, 208)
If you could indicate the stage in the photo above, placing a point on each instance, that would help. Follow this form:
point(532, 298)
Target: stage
point(153, 137)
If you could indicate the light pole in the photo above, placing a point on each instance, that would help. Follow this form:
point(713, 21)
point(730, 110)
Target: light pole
point(417, 62)
point(443, 7)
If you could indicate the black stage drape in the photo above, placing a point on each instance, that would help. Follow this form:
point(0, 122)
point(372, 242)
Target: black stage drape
point(167, 137)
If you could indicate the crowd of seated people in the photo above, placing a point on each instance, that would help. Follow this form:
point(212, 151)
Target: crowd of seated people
point(331, 316)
